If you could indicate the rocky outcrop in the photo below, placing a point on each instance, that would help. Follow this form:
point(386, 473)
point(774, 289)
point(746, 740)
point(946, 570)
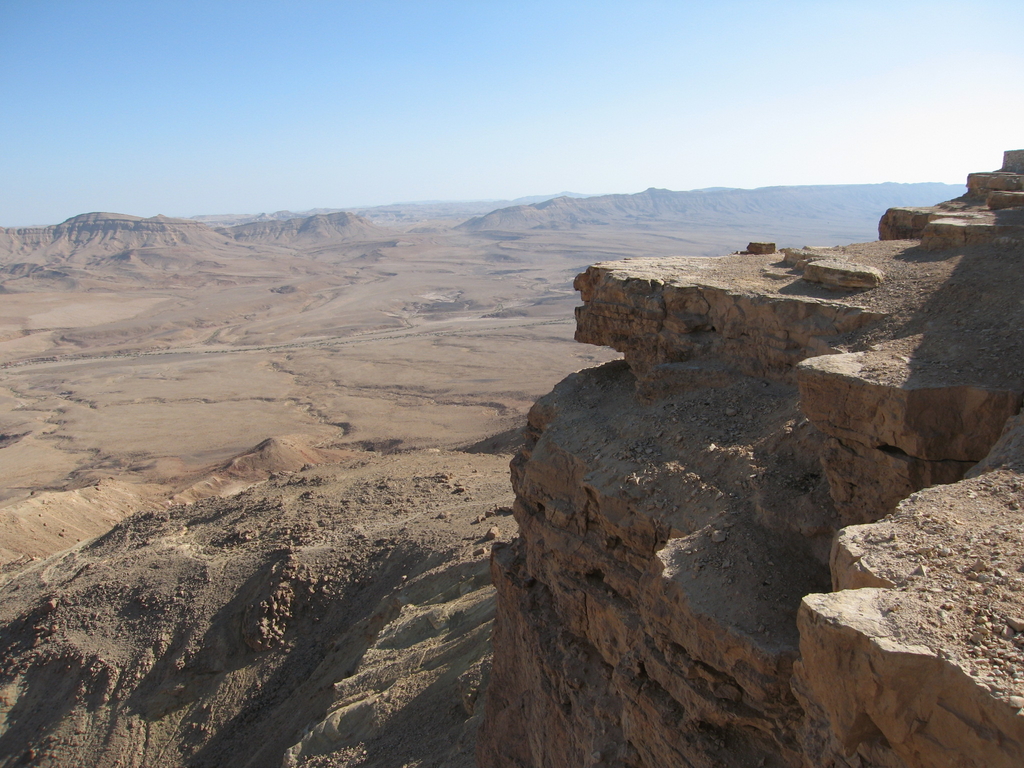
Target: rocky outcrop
point(639, 593)
point(664, 312)
point(999, 200)
point(751, 542)
point(892, 432)
point(904, 223)
point(984, 215)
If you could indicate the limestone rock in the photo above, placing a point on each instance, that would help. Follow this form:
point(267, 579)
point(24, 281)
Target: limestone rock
point(919, 418)
point(867, 483)
point(1013, 160)
point(897, 697)
point(761, 248)
point(904, 223)
point(841, 274)
point(957, 232)
point(1008, 452)
point(999, 200)
point(980, 184)
point(801, 257)
point(659, 311)
point(601, 611)
point(968, 221)
point(849, 570)
point(665, 601)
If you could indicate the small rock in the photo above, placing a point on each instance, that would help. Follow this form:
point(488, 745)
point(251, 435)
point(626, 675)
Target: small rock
point(719, 536)
point(492, 533)
point(921, 570)
point(761, 248)
point(479, 551)
point(1017, 701)
point(1016, 623)
point(730, 411)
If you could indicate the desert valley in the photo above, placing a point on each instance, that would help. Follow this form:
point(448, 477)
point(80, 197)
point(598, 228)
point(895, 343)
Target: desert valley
point(256, 507)
point(153, 354)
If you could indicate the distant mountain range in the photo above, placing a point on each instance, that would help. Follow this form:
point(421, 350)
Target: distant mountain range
point(767, 209)
point(319, 228)
point(837, 213)
point(394, 213)
point(90, 236)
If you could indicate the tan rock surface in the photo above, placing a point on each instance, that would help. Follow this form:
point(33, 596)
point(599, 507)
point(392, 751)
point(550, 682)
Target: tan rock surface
point(1013, 160)
point(639, 590)
point(896, 697)
point(999, 200)
point(842, 275)
point(845, 398)
point(645, 613)
point(670, 311)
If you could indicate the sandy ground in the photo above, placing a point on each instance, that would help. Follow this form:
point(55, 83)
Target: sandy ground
point(150, 377)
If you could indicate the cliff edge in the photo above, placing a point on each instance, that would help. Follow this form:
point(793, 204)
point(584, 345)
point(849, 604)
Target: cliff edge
point(785, 530)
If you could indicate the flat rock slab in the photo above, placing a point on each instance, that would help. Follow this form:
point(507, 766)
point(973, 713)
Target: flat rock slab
point(843, 274)
point(878, 399)
point(924, 705)
point(999, 200)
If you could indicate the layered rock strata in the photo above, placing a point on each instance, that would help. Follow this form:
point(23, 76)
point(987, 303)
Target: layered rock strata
point(992, 211)
point(729, 552)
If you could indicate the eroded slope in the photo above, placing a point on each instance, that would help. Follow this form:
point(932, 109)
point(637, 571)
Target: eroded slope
point(335, 616)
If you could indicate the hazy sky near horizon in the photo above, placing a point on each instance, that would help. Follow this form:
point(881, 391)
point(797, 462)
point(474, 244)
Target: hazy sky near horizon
point(190, 108)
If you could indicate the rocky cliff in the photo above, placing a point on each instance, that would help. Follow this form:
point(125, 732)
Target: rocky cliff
point(785, 530)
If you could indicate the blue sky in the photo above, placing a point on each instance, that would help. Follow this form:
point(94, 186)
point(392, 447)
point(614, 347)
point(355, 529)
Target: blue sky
point(186, 108)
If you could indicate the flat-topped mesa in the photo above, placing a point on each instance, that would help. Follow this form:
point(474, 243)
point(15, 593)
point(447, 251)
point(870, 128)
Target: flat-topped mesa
point(677, 317)
point(991, 212)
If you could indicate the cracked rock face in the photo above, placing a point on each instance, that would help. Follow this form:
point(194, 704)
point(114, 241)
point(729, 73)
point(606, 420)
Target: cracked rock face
point(784, 531)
